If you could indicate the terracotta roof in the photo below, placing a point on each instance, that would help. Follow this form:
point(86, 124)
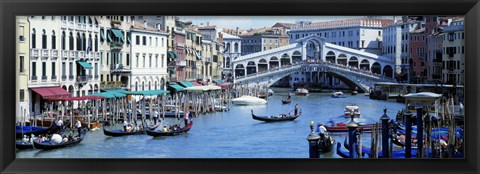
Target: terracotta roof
point(348, 22)
point(284, 25)
point(207, 27)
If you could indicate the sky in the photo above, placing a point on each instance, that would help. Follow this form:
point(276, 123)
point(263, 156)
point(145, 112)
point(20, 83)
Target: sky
point(247, 22)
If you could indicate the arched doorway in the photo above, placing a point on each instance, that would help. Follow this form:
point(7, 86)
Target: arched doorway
point(388, 71)
point(239, 70)
point(365, 65)
point(262, 65)
point(296, 57)
point(376, 68)
point(273, 63)
point(330, 57)
point(353, 62)
point(251, 68)
point(342, 59)
point(285, 60)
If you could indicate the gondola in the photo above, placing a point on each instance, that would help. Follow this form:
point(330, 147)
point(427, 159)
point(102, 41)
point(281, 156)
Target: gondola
point(118, 133)
point(153, 127)
point(22, 146)
point(286, 100)
point(275, 118)
point(342, 127)
point(48, 146)
point(341, 152)
point(182, 130)
point(27, 130)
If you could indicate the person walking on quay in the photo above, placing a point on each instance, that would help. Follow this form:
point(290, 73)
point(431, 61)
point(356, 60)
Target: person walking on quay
point(155, 116)
point(78, 125)
point(296, 108)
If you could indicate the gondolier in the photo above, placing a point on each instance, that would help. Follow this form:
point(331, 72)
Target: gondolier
point(296, 109)
point(59, 124)
point(155, 117)
point(185, 117)
point(78, 125)
point(125, 124)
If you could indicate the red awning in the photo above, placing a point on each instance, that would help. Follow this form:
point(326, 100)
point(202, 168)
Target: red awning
point(225, 85)
point(48, 92)
point(75, 98)
point(203, 82)
point(196, 83)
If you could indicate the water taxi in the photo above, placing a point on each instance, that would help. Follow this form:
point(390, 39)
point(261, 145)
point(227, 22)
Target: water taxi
point(249, 100)
point(349, 109)
point(301, 92)
point(338, 94)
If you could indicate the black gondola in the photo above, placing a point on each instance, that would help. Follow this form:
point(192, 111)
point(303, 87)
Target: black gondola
point(118, 133)
point(281, 117)
point(182, 130)
point(48, 146)
point(28, 130)
point(153, 127)
point(21, 145)
point(286, 100)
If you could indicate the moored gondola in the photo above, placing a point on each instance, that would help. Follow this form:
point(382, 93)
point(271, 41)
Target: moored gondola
point(281, 117)
point(153, 127)
point(118, 133)
point(23, 145)
point(182, 130)
point(286, 100)
point(28, 130)
point(47, 145)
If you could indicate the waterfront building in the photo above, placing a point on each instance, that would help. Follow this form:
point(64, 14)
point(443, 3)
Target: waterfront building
point(263, 39)
point(434, 29)
point(149, 64)
point(50, 58)
point(22, 68)
point(193, 57)
point(396, 44)
point(232, 45)
point(116, 57)
point(417, 47)
point(179, 48)
point(212, 47)
point(453, 59)
point(234, 32)
point(364, 34)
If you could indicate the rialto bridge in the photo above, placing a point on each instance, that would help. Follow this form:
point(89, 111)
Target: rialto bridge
point(313, 54)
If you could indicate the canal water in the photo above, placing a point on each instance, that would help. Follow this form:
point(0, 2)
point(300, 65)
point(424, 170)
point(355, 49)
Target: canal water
point(233, 134)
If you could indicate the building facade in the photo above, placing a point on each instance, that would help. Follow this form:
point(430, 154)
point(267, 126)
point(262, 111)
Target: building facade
point(362, 34)
point(263, 39)
point(22, 70)
point(232, 50)
point(149, 64)
point(453, 59)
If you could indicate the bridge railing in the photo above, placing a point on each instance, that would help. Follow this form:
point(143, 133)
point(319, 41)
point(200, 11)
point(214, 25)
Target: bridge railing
point(352, 69)
point(277, 69)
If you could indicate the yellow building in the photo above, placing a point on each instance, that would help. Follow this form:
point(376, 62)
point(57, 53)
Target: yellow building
point(22, 58)
point(263, 39)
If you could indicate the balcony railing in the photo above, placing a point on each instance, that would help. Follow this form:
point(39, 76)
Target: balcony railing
point(73, 54)
point(70, 77)
point(54, 77)
point(97, 55)
point(65, 53)
point(116, 45)
point(35, 52)
point(82, 79)
point(44, 53)
point(34, 78)
point(64, 78)
point(44, 78)
point(81, 54)
point(54, 53)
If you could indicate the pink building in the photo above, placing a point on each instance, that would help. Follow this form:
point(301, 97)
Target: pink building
point(418, 56)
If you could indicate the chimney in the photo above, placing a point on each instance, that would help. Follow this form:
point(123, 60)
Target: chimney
point(145, 23)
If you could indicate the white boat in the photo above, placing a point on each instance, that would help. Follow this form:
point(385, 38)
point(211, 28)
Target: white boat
point(349, 109)
point(301, 92)
point(338, 94)
point(249, 100)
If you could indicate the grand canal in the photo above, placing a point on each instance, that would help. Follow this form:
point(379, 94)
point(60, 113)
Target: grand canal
point(232, 134)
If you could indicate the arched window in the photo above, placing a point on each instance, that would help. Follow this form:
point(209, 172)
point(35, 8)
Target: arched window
point(44, 39)
point(236, 47)
point(53, 40)
point(84, 42)
point(79, 45)
point(33, 38)
point(89, 46)
point(63, 40)
point(96, 42)
point(71, 41)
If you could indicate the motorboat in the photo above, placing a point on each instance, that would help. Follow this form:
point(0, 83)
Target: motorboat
point(349, 109)
point(249, 100)
point(301, 92)
point(338, 94)
point(270, 92)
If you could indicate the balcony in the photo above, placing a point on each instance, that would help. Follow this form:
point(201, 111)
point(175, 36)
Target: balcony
point(182, 63)
point(97, 55)
point(116, 46)
point(89, 55)
point(34, 53)
point(64, 54)
point(73, 54)
point(64, 24)
point(54, 54)
point(45, 53)
point(82, 79)
point(71, 25)
point(81, 54)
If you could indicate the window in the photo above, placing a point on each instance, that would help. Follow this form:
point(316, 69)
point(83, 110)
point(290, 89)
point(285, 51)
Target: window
point(22, 61)
point(156, 60)
point(44, 40)
point(149, 41)
point(71, 41)
point(22, 95)
point(144, 61)
point(137, 40)
point(53, 40)
point(63, 40)
point(138, 59)
point(33, 38)
point(156, 41)
point(34, 70)
point(363, 43)
point(150, 61)
point(144, 40)
point(128, 59)
point(63, 70)
point(44, 69)
point(162, 43)
point(53, 69)
point(21, 32)
point(163, 55)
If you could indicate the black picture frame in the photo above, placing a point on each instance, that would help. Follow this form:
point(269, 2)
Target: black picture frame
point(9, 9)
